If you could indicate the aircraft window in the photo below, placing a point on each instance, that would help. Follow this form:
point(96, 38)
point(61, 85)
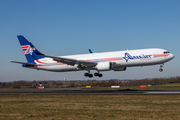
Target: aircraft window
point(166, 52)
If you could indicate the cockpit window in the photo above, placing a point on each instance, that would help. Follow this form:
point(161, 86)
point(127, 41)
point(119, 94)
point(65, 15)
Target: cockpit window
point(166, 52)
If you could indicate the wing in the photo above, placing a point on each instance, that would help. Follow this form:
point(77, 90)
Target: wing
point(69, 61)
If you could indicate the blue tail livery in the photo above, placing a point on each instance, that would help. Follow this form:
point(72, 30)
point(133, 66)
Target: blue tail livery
point(29, 49)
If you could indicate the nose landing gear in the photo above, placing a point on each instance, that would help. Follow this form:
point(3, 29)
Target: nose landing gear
point(161, 65)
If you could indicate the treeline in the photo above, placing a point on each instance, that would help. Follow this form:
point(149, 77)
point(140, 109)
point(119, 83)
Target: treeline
point(127, 83)
point(30, 84)
point(92, 83)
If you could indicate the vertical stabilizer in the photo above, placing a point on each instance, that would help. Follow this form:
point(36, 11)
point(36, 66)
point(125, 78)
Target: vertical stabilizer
point(28, 49)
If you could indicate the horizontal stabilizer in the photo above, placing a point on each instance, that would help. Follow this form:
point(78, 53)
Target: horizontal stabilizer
point(24, 63)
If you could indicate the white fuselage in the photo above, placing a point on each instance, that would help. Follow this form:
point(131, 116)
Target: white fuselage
point(119, 59)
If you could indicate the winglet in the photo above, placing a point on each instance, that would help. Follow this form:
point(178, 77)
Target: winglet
point(90, 51)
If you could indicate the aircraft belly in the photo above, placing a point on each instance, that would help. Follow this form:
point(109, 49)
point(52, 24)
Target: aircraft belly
point(58, 68)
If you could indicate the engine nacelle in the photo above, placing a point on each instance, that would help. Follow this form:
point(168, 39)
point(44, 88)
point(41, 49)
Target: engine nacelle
point(104, 66)
point(119, 69)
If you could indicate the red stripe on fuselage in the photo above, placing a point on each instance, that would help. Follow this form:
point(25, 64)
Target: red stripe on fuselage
point(44, 62)
point(104, 59)
point(160, 55)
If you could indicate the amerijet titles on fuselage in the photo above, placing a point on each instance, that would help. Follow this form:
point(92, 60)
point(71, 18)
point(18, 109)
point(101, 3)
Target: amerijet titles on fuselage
point(128, 56)
point(106, 61)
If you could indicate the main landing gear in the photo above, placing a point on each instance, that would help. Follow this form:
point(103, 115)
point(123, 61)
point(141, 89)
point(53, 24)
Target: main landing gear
point(98, 74)
point(88, 75)
point(91, 75)
point(161, 65)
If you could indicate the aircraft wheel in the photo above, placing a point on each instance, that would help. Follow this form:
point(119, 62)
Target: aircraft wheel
point(160, 69)
point(99, 75)
point(86, 74)
point(96, 74)
point(90, 75)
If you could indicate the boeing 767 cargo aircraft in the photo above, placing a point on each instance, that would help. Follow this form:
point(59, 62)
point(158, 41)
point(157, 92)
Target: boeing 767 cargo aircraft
point(106, 61)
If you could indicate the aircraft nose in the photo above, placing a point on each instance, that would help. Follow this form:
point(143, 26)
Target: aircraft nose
point(172, 56)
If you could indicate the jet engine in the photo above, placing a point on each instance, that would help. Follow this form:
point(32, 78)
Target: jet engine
point(104, 66)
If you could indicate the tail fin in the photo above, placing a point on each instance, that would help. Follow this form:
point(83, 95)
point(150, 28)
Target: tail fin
point(29, 49)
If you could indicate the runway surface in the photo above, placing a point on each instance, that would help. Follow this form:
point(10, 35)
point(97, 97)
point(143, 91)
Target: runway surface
point(86, 92)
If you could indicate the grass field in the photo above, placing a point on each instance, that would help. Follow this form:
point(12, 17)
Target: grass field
point(93, 107)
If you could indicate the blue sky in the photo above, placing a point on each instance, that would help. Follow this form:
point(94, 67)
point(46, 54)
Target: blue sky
point(65, 27)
